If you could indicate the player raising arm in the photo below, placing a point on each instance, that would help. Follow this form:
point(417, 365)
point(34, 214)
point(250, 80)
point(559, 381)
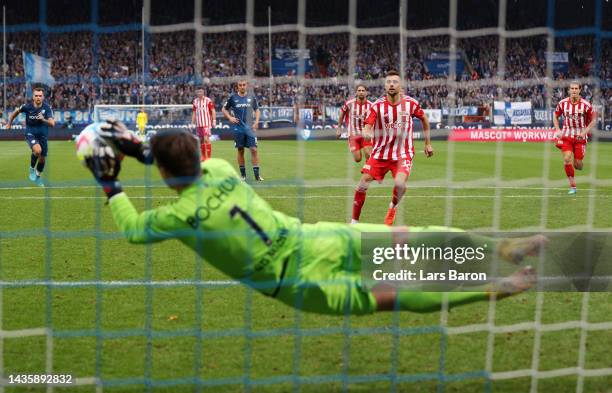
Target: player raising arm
point(39, 117)
point(316, 267)
point(355, 112)
point(390, 125)
point(578, 121)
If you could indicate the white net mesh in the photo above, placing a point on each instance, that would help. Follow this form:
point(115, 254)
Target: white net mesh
point(312, 89)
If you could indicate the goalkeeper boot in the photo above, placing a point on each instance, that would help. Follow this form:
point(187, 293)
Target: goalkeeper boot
point(32, 175)
point(572, 191)
point(390, 217)
point(514, 250)
point(518, 282)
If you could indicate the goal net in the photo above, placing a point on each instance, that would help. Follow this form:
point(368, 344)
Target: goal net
point(156, 317)
point(157, 116)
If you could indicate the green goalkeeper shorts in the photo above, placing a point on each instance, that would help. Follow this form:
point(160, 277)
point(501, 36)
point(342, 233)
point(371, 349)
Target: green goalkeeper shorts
point(324, 274)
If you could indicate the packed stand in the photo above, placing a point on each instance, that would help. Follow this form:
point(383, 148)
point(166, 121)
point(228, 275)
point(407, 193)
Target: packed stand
point(114, 76)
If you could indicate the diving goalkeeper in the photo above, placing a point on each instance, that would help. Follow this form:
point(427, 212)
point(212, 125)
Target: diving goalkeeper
point(316, 267)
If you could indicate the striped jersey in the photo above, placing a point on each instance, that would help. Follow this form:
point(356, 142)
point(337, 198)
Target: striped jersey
point(576, 116)
point(355, 115)
point(202, 109)
point(392, 126)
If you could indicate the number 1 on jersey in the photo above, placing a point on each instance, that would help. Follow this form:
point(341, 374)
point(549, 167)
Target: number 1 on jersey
point(237, 210)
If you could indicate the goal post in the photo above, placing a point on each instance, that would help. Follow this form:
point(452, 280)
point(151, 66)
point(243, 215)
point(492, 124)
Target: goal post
point(157, 116)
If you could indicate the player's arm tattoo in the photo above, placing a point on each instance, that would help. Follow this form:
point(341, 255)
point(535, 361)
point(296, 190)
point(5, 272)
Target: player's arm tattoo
point(13, 116)
point(426, 129)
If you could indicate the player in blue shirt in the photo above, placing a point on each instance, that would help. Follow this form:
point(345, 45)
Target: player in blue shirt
point(39, 116)
point(244, 117)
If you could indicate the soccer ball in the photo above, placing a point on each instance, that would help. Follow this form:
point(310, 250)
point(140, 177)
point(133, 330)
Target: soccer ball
point(89, 144)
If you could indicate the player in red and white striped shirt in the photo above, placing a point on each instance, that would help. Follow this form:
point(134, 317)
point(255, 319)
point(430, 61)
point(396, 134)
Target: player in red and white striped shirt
point(390, 125)
point(578, 120)
point(354, 112)
point(204, 118)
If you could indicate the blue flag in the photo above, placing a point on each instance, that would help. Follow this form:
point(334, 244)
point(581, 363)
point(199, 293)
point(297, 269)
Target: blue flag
point(37, 69)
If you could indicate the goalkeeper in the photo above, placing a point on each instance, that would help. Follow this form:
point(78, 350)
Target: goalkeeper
point(316, 267)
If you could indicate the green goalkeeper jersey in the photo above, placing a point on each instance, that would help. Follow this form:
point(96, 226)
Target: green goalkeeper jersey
point(222, 219)
point(316, 267)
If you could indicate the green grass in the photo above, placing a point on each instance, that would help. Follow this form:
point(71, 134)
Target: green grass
point(76, 214)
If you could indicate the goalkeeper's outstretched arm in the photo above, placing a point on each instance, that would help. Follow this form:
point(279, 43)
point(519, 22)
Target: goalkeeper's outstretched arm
point(147, 227)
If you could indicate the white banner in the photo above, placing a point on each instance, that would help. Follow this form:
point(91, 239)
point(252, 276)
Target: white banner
point(332, 113)
point(542, 115)
point(460, 111)
point(292, 53)
point(433, 115)
point(511, 113)
point(556, 57)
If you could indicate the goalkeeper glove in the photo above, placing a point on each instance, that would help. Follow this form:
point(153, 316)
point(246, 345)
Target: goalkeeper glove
point(105, 167)
point(129, 144)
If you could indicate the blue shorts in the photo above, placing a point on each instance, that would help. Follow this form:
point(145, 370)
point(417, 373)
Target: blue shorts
point(34, 139)
point(242, 140)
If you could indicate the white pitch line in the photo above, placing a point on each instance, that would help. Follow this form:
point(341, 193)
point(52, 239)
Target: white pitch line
point(414, 186)
point(119, 283)
point(314, 197)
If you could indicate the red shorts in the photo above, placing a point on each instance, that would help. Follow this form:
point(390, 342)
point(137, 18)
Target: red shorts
point(202, 132)
point(379, 168)
point(576, 146)
point(358, 142)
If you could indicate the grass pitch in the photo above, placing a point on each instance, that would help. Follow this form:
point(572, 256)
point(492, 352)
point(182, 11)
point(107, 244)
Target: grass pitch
point(230, 337)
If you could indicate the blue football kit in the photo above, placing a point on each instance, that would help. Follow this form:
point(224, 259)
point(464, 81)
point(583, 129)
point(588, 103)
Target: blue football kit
point(36, 130)
point(243, 108)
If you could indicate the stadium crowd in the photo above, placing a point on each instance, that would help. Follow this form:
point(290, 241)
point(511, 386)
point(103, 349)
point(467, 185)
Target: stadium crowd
point(113, 75)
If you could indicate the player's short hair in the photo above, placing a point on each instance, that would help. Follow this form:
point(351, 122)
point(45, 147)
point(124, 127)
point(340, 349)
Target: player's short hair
point(361, 85)
point(392, 73)
point(177, 151)
point(38, 88)
point(574, 82)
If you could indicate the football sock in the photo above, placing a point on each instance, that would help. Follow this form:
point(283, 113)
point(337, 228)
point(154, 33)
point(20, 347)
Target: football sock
point(397, 196)
point(39, 167)
point(432, 301)
point(209, 150)
point(358, 202)
point(242, 171)
point(256, 171)
point(569, 171)
point(33, 159)
point(203, 151)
